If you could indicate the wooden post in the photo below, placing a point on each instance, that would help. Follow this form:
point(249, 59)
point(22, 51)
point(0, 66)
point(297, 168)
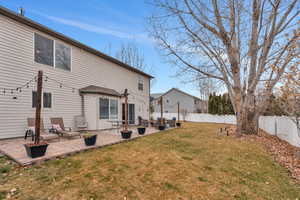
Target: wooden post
point(126, 109)
point(38, 107)
point(178, 106)
point(161, 110)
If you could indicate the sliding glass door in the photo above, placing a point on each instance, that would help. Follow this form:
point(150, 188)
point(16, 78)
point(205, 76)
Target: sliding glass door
point(131, 113)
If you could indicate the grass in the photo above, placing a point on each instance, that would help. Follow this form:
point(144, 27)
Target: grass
point(192, 162)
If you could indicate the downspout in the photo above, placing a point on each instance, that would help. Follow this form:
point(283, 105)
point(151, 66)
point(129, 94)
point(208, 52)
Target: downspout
point(82, 105)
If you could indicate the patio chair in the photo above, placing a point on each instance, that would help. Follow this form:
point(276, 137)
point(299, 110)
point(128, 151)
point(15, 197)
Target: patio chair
point(58, 125)
point(43, 134)
point(171, 123)
point(81, 123)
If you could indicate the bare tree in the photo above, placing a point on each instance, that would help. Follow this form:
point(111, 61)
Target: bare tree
point(131, 55)
point(245, 44)
point(184, 113)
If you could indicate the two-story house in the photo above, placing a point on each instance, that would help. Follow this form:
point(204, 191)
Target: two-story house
point(78, 80)
point(187, 102)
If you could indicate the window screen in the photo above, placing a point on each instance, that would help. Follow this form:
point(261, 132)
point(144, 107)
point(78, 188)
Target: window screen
point(62, 56)
point(104, 108)
point(47, 100)
point(43, 50)
point(113, 108)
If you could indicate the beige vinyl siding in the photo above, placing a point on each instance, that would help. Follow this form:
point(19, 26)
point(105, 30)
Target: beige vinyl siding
point(186, 102)
point(17, 66)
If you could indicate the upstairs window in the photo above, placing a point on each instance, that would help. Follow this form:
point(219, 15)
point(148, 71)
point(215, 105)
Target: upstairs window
point(43, 50)
point(62, 56)
point(141, 84)
point(45, 53)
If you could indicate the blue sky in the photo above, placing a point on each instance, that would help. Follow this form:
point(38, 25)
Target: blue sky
point(104, 25)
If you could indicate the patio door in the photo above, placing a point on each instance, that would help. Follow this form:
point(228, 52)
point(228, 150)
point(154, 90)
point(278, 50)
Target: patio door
point(131, 113)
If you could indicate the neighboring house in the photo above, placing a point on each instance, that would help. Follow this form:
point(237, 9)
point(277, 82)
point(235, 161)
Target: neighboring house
point(187, 102)
point(87, 82)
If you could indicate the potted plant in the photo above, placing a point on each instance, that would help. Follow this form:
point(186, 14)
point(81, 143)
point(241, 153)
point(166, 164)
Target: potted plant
point(90, 139)
point(161, 127)
point(141, 130)
point(126, 134)
point(36, 150)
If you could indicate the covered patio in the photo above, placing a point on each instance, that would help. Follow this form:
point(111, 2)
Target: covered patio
point(14, 148)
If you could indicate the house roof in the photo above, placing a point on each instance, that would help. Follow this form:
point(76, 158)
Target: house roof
point(92, 89)
point(42, 28)
point(157, 95)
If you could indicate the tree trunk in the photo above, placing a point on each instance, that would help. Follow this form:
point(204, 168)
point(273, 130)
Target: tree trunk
point(250, 115)
point(247, 117)
point(249, 124)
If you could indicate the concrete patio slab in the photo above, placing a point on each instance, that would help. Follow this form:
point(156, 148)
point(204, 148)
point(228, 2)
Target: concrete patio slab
point(15, 149)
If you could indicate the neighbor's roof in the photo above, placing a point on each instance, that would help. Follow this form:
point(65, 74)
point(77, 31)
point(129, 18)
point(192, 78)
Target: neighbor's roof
point(157, 95)
point(42, 28)
point(92, 89)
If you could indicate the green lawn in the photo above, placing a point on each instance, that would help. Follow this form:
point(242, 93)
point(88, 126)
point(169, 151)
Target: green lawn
point(192, 162)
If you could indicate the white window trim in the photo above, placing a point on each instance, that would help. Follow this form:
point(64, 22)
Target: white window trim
point(109, 116)
point(54, 45)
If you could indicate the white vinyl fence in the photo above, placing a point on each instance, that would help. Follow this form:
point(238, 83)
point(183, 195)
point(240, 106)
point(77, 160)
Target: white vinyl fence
point(283, 127)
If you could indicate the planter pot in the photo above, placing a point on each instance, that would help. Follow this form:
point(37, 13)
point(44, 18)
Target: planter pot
point(90, 141)
point(126, 134)
point(36, 150)
point(161, 127)
point(178, 124)
point(142, 130)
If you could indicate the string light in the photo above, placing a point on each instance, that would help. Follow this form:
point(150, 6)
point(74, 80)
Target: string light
point(18, 89)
